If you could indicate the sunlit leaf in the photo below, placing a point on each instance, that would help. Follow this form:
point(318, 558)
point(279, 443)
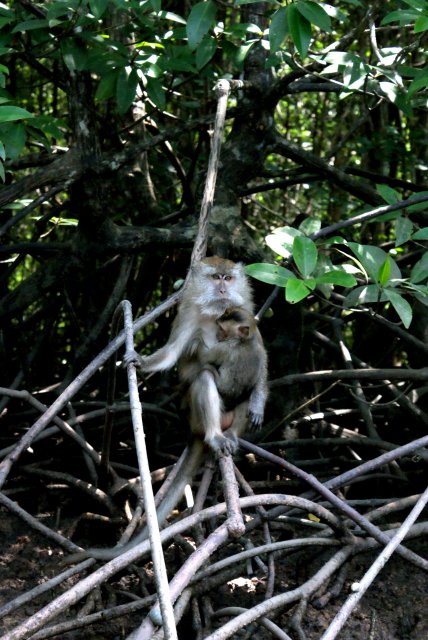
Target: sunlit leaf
point(281, 240)
point(315, 13)
point(367, 294)
point(310, 225)
point(296, 290)
point(305, 254)
point(384, 272)
point(372, 258)
point(269, 273)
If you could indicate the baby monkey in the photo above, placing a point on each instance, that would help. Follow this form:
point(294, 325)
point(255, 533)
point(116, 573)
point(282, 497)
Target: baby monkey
point(238, 362)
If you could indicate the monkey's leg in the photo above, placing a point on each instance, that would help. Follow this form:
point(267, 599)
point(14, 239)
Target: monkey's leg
point(206, 414)
point(235, 423)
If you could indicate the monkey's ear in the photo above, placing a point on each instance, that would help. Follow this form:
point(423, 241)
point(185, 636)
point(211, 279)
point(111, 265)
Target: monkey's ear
point(244, 330)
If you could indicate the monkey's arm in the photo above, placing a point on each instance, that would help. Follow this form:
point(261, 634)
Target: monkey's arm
point(258, 397)
point(214, 356)
point(182, 335)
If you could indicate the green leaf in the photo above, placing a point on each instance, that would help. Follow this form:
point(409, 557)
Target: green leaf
point(278, 28)
point(30, 25)
point(107, 86)
point(269, 273)
point(403, 16)
point(305, 254)
point(201, 19)
point(384, 272)
point(403, 230)
point(98, 7)
point(421, 24)
point(14, 137)
point(316, 15)
point(300, 30)
point(419, 82)
point(281, 240)
point(2, 150)
point(334, 240)
point(296, 290)
point(310, 226)
point(126, 88)
point(401, 306)
point(387, 193)
point(372, 258)
point(337, 277)
point(205, 51)
point(367, 294)
point(422, 234)
point(421, 206)
point(156, 92)
point(420, 270)
point(10, 114)
point(2, 172)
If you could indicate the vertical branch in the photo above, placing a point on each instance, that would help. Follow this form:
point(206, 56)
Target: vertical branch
point(161, 577)
point(235, 521)
point(222, 90)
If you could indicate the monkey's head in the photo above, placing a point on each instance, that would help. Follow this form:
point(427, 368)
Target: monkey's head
point(218, 284)
point(236, 323)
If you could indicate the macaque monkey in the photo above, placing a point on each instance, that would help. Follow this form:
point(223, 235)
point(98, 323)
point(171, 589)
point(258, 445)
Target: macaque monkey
point(215, 285)
point(238, 362)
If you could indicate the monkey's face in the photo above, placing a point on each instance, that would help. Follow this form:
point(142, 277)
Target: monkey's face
point(218, 285)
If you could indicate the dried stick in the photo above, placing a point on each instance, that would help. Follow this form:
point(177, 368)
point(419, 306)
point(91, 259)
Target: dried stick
point(222, 89)
point(87, 584)
point(325, 491)
point(355, 374)
point(276, 631)
point(283, 599)
point(184, 575)
point(376, 567)
point(166, 616)
point(235, 522)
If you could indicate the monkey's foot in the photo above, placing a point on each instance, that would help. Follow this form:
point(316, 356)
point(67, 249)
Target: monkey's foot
point(223, 445)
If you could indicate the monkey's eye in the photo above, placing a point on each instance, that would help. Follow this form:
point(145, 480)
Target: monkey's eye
point(216, 276)
point(228, 278)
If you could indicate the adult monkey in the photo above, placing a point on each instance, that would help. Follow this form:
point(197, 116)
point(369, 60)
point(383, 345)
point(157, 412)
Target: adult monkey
point(215, 285)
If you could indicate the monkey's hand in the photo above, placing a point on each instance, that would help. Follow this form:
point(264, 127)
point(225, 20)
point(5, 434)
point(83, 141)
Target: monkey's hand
point(132, 357)
point(256, 420)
